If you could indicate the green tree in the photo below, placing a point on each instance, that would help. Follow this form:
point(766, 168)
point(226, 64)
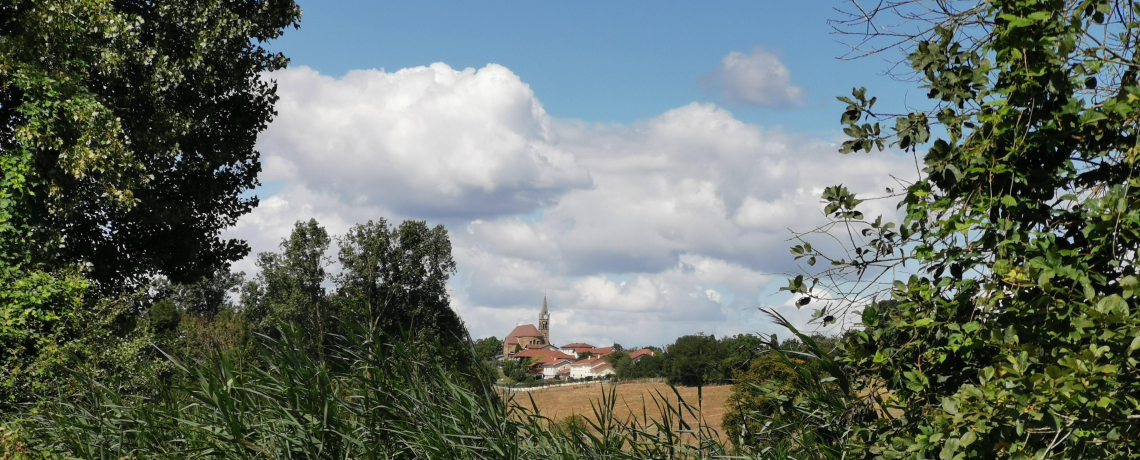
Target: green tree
point(123, 154)
point(164, 316)
point(289, 288)
point(125, 148)
point(516, 370)
point(395, 278)
point(623, 367)
point(228, 333)
point(205, 297)
point(1017, 333)
point(488, 348)
point(740, 350)
point(657, 366)
point(696, 360)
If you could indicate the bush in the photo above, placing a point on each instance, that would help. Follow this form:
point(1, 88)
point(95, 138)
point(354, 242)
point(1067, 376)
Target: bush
point(53, 333)
point(41, 314)
point(763, 394)
point(573, 425)
point(164, 316)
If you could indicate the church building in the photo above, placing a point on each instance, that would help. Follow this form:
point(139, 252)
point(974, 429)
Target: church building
point(528, 336)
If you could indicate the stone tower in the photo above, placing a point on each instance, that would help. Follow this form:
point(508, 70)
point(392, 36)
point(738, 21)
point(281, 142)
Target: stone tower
point(544, 322)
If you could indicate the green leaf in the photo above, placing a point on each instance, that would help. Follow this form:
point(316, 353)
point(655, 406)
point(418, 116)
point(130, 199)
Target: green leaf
point(1092, 116)
point(968, 438)
point(1113, 304)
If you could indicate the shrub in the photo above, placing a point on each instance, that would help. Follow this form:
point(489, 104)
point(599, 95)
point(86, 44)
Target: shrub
point(763, 394)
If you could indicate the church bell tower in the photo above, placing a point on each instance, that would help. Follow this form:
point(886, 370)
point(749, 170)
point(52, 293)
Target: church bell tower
point(544, 322)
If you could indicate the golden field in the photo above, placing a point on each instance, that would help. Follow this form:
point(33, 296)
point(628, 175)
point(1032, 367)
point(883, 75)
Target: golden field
point(633, 400)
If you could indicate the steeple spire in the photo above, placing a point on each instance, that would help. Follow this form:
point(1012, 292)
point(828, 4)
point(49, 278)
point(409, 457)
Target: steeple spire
point(544, 321)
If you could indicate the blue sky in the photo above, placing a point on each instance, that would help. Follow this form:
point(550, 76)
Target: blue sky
point(593, 60)
point(639, 162)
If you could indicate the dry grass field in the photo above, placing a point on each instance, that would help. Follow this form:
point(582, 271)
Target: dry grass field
point(560, 402)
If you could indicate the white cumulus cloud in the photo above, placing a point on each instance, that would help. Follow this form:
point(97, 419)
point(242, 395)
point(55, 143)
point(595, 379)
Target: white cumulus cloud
point(757, 78)
point(637, 233)
point(425, 141)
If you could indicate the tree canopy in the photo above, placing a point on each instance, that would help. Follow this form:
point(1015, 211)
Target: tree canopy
point(128, 132)
point(396, 276)
point(696, 360)
point(1016, 332)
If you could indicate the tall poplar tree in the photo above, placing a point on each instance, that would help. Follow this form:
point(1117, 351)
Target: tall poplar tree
point(128, 130)
point(127, 133)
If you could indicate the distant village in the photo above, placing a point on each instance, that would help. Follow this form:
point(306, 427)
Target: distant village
point(574, 361)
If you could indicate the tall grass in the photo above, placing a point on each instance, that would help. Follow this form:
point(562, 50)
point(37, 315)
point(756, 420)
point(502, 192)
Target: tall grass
point(371, 398)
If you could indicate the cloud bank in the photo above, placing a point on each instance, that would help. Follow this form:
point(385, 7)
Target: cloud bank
point(430, 141)
point(638, 233)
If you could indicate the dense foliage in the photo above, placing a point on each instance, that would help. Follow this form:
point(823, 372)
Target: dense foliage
point(123, 154)
point(696, 360)
point(766, 391)
point(395, 277)
point(1017, 333)
point(126, 148)
point(488, 348)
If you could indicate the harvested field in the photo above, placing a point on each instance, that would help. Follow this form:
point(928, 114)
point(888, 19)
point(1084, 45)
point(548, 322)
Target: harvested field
point(560, 402)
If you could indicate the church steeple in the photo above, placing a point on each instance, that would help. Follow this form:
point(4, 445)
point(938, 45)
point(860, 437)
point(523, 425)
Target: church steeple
point(544, 321)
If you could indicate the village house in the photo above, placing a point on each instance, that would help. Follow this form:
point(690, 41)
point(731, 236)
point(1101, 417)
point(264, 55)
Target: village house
point(549, 367)
point(592, 367)
point(540, 353)
point(573, 348)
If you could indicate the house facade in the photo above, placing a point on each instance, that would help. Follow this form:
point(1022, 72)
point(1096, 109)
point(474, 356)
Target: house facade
point(592, 367)
point(552, 367)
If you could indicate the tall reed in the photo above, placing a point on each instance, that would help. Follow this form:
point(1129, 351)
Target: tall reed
point(373, 397)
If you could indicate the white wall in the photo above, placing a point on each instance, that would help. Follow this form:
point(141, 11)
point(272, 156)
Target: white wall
point(580, 372)
point(549, 372)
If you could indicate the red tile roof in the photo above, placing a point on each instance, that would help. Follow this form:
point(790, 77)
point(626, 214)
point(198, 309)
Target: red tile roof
point(640, 353)
point(526, 330)
point(588, 361)
point(598, 351)
point(551, 360)
point(578, 345)
point(564, 371)
point(541, 353)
